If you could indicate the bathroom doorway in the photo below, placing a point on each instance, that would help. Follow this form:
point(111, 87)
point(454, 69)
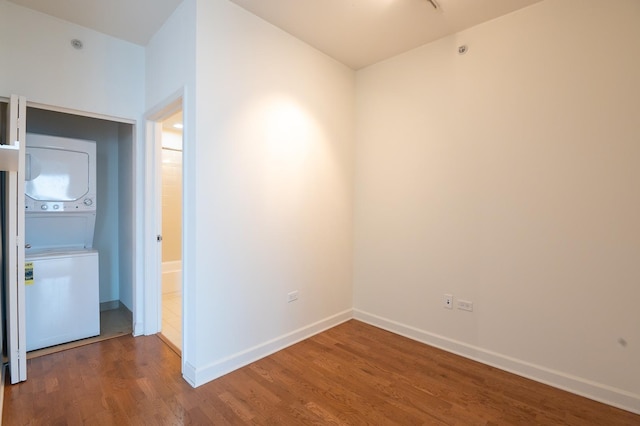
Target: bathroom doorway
point(171, 212)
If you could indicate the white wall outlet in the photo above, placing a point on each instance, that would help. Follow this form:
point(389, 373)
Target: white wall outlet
point(448, 301)
point(292, 297)
point(465, 305)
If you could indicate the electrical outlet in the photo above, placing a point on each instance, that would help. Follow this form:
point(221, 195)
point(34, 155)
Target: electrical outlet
point(292, 297)
point(448, 301)
point(465, 305)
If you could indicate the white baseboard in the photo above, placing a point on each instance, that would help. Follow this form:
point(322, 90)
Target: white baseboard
point(138, 329)
point(580, 386)
point(197, 377)
point(189, 373)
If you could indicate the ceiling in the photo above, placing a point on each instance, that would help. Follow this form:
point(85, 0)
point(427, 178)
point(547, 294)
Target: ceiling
point(173, 123)
point(132, 20)
point(362, 32)
point(355, 32)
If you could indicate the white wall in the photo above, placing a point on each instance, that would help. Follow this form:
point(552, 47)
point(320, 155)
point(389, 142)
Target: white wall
point(268, 152)
point(171, 72)
point(509, 177)
point(106, 77)
point(274, 133)
point(170, 56)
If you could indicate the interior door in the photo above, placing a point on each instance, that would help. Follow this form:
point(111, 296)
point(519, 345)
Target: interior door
point(14, 239)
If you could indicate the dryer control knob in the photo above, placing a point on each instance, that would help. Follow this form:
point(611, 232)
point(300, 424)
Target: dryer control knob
point(44, 207)
point(88, 201)
point(56, 207)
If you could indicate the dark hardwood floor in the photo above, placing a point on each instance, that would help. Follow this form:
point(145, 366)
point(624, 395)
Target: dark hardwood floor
point(353, 374)
point(113, 323)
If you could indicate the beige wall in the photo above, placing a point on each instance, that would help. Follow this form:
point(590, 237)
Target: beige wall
point(171, 202)
point(509, 177)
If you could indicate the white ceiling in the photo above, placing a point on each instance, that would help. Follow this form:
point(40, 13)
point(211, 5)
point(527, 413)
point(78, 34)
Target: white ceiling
point(355, 32)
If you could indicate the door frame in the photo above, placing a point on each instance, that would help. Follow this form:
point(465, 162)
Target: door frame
point(13, 230)
point(153, 214)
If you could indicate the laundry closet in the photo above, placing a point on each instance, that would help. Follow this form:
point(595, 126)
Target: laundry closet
point(79, 214)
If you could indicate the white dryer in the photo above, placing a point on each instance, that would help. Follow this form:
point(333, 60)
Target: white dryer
point(62, 273)
point(60, 192)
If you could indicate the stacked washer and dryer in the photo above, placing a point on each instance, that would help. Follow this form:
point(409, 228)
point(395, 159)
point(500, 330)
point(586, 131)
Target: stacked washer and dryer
point(62, 277)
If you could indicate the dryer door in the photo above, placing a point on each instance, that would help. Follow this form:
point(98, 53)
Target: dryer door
point(56, 175)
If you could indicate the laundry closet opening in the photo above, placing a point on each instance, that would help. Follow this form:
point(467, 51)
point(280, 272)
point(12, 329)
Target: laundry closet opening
point(113, 234)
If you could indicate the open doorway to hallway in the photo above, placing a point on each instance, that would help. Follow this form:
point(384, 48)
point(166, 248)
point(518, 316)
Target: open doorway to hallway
point(171, 212)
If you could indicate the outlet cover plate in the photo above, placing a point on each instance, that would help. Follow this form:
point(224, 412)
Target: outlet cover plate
point(292, 297)
point(465, 305)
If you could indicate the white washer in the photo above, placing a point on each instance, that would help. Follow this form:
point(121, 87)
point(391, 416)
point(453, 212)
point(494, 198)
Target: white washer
point(62, 292)
point(62, 298)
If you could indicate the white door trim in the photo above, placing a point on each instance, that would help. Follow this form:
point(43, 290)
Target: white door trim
point(153, 203)
point(14, 243)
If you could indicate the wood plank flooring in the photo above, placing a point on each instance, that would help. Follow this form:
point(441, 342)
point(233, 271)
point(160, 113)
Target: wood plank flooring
point(113, 323)
point(353, 374)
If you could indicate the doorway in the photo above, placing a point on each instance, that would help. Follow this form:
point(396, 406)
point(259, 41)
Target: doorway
point(171, 230)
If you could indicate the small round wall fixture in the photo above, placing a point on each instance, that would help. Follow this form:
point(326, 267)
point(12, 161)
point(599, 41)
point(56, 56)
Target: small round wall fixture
point(77, 44)
point(462, 49)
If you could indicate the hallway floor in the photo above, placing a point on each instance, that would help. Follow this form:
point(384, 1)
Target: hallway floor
point(113, 323)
